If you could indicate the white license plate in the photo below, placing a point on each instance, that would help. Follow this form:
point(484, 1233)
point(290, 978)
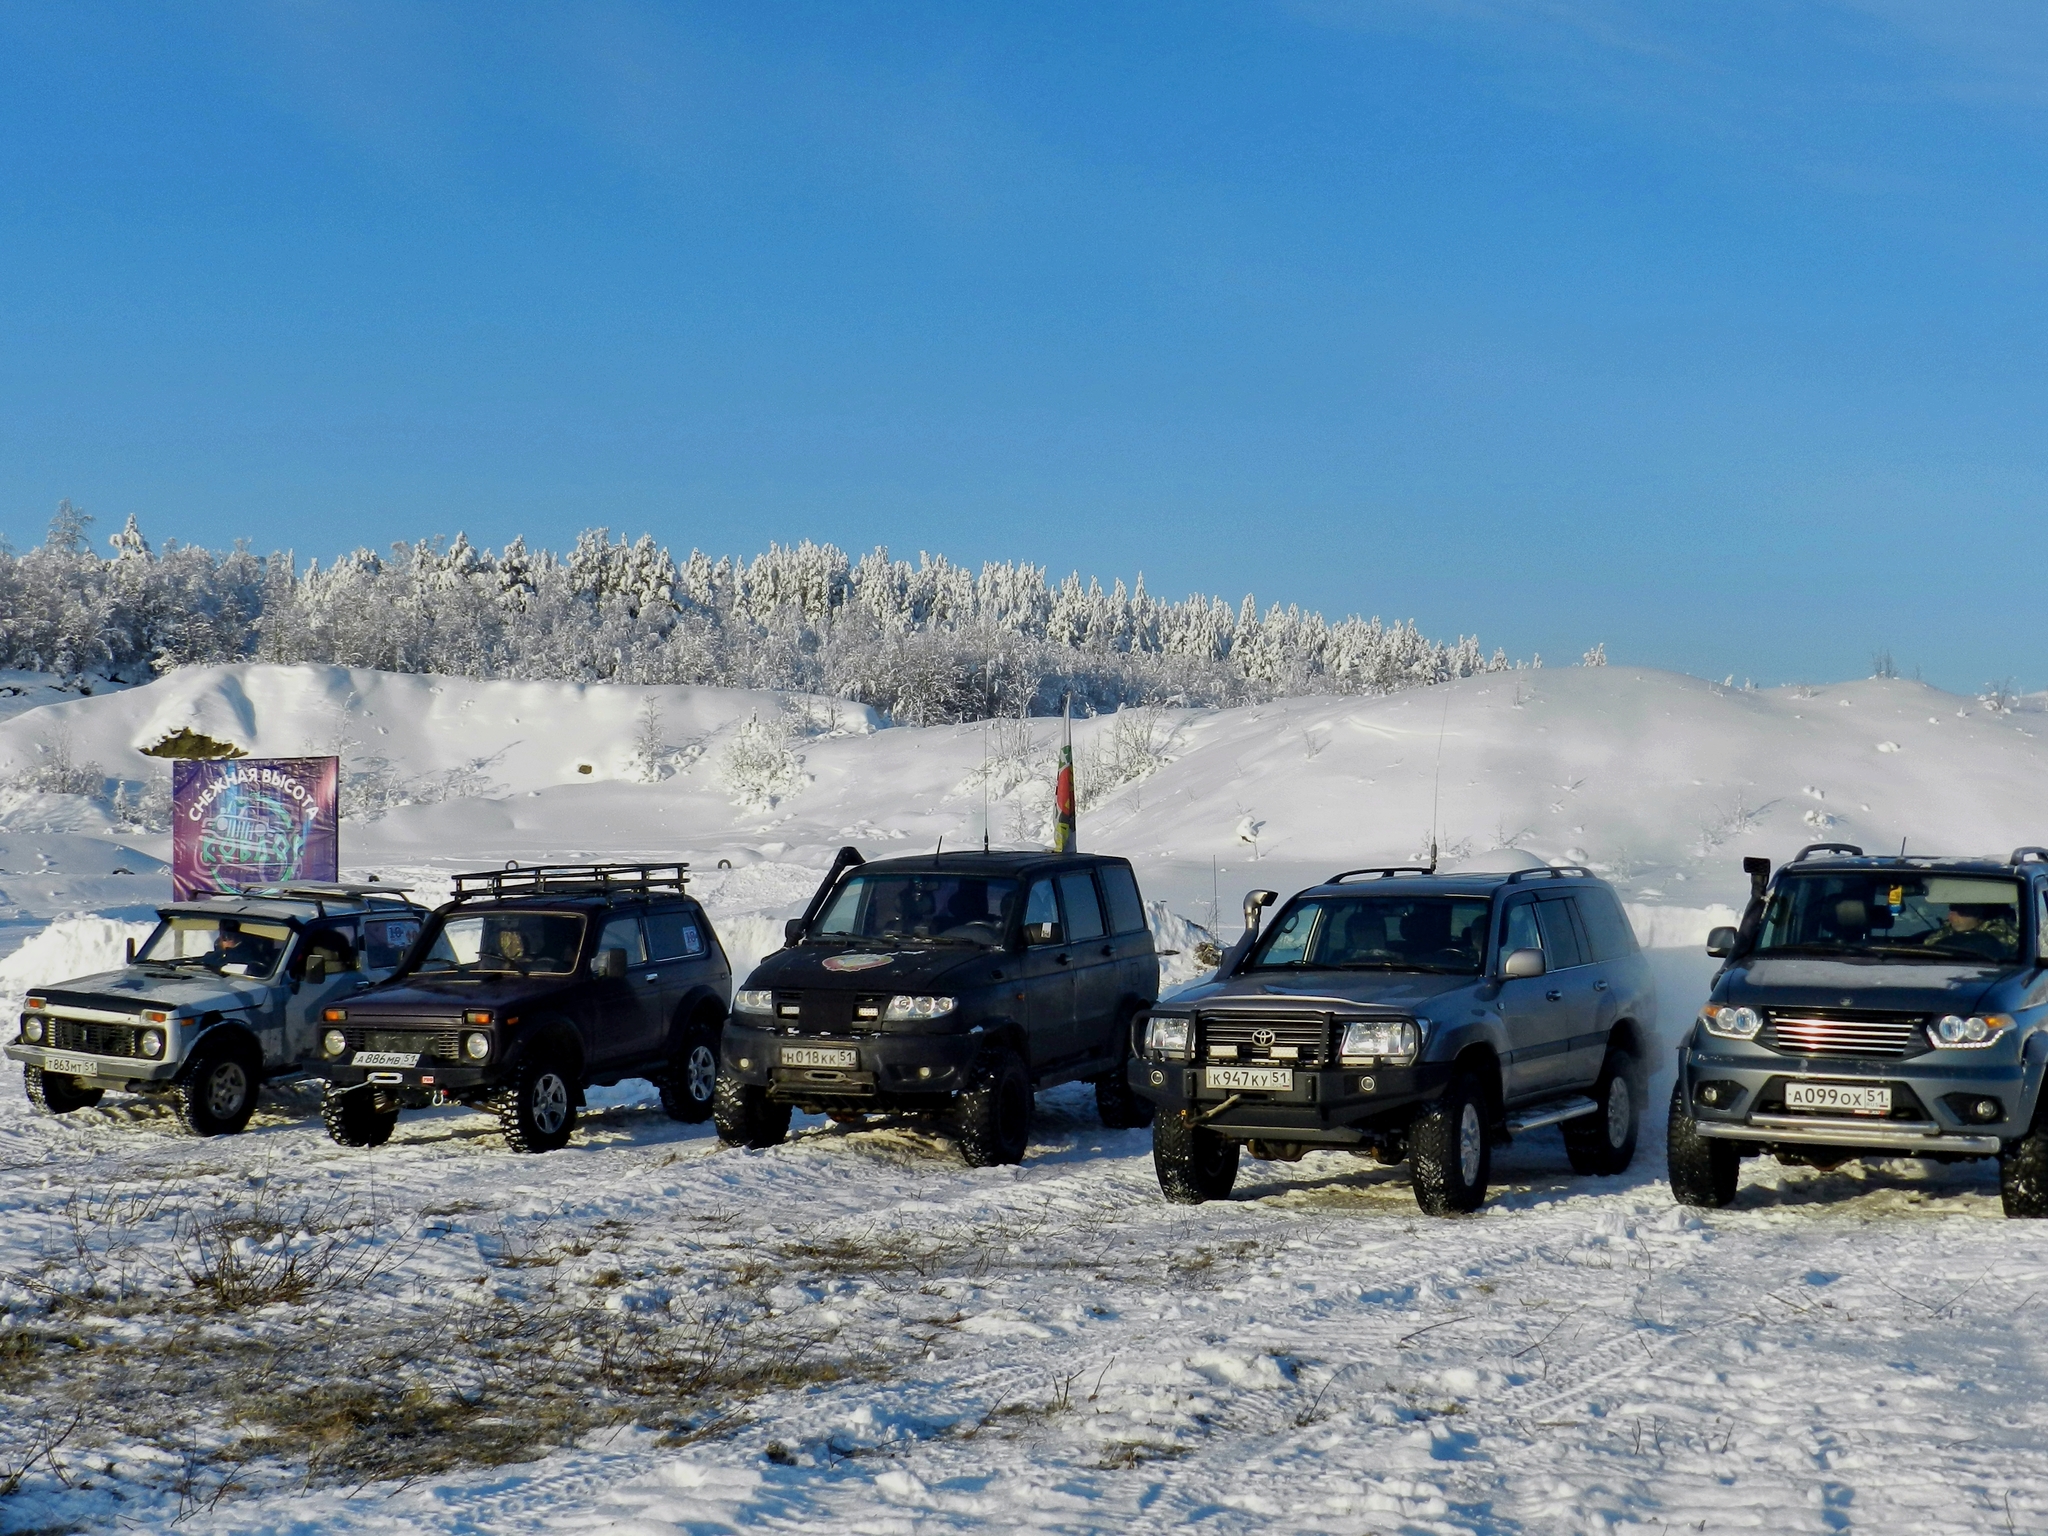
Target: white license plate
point(385, 1059)
point(67, 1066)
point(1248, 1077)
point(820, 1056)
point(1844, 1098)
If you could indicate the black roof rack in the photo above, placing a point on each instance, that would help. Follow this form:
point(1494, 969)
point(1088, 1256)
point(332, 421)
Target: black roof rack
point(1551, 872)
point(2020, 855)
point(1384, 871)
point(1849, 848)
point(573, 880)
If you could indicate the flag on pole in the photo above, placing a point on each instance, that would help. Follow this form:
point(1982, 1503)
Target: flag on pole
point(1063, 828)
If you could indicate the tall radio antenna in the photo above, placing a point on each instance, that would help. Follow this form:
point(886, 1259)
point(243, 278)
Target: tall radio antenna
point(1436, 788)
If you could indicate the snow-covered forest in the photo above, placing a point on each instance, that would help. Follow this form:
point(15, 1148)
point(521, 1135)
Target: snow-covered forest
point(928, 642)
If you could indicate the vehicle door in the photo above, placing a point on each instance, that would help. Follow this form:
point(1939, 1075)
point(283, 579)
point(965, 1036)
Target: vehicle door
point(1137, 961)
point(1539, 1027)
point(326, 966)
point(1097, 977)
point(623, 1014)
point(1610, 945)
point(1044, 972)
point(679, 955)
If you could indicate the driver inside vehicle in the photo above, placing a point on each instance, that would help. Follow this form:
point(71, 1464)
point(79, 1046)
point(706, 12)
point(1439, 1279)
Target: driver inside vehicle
point(240, 953)
point(1976, 928)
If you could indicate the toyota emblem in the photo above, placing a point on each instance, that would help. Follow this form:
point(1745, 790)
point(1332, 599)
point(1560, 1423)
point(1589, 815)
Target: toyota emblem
point(1262, 1037)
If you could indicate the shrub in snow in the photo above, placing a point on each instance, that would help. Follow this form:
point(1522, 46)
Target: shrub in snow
point(56, 772)
point(758, 766)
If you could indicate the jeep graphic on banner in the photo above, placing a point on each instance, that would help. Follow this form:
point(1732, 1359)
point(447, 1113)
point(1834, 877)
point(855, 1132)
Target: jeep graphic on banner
point(252, 821)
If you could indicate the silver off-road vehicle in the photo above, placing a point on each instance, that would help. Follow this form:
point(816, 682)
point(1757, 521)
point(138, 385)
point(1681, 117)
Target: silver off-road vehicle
point(225, 995)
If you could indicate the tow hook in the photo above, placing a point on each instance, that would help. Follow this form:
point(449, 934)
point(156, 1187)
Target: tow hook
point(1211, 1114)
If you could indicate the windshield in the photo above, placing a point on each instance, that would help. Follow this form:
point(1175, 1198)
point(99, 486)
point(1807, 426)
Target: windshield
point(912, 908)
point(1378, 933)
point(1892, 914)
point(520, 943)
point(232, 946)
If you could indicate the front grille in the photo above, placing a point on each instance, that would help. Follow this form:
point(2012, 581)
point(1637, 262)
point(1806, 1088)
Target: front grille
point(441, 1045)
point(830, 1012)
point(93, 1039)
point(1256, 1034)
point(1840, 1032)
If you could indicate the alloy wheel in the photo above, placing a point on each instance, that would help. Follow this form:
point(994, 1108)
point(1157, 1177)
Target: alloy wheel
point(1471, 1143)
point(550, 1103)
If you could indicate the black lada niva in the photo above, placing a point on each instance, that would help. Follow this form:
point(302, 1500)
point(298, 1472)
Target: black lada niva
point(1873, 1007)
point(955, 985)
point(1411, 1015)
point(532, 985)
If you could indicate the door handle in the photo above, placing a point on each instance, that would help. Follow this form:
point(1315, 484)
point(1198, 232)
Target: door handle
point(1554, 995)
point(1061, 958)
point(1108, 952)
point(1600, 985)
point(650, 978)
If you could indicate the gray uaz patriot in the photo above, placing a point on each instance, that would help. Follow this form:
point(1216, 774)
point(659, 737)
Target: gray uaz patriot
point(1411, 1015)
point(225, 994)
point(1872, 1007)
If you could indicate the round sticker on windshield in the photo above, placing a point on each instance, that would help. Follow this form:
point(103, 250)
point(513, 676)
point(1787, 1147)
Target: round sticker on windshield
point(857, 962)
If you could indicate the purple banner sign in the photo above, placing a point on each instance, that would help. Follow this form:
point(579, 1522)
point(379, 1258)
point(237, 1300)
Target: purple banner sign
point(253, 821)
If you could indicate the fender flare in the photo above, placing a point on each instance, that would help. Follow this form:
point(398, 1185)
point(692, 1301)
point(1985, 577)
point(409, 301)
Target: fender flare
point(222, 1030)
point(699, 1002)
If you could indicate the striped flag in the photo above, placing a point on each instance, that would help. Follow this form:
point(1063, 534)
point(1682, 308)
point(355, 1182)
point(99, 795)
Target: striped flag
point(1064, 831)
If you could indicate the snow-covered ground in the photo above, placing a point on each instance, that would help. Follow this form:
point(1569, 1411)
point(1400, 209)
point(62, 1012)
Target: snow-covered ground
point(853, 1332)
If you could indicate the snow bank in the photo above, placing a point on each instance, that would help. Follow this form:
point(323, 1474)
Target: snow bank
point(73, 946)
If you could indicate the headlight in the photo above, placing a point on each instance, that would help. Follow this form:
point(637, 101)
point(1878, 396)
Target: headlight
point(919, 1007)
point(476, 1045)
point(753, 1002)
point(334, 1042)
point(1968, 1034)
point(152, 1042)
point(1731, 1023)
point(1168, 1036)
point(32, 1030)
point(1380, 1037)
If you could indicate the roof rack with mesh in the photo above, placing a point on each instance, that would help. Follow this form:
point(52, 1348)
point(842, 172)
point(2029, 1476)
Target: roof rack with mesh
point(573, 880)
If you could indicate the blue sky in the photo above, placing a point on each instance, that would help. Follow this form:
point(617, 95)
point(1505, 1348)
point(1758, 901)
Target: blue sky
point(1711, 331)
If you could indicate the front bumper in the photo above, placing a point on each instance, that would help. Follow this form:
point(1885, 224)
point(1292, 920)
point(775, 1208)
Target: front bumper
point(888, 1069)
point(428, 1075)
point(106, 1070)
point(1925, 1120)
point(1327, 1106)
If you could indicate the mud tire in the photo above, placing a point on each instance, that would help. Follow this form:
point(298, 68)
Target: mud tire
point(746, 1116)
point(537, 1111)
point(1450, 1155)
point(689, 1090)
point(57, 1095)
point(1703, 1169)
point(354, 1120)
point(217, 1094)
point(1193, 1164)
point(2023, 1175)
point(1605, 1143)
point(991, 1121)
point(1118, 1105)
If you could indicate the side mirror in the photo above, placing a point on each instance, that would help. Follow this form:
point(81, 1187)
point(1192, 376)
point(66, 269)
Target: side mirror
point(1721, 942)
point(131, 951)
point(316, 967)
point(609, 965)
point(1521, 964)
point(792, 933)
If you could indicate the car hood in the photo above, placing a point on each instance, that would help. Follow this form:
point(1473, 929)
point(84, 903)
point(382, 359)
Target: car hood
point(135, 988)
point(414, 996)
point(1404, 990)
point(1896, 986)
point(855, 968)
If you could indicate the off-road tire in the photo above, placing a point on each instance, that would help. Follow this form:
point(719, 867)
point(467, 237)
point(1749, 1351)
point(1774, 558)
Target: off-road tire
point(991, 1121)
point(354, 1120)
point(746, 1116)
point(1605, 1143)
point(690, 1087)
point(217, 1094)
point(2023, 1174)
point(1118, 1105)
point(1704, 1169)
point(57, 1095)
point(537, 1110)
point(1193, 1164)
point(1450, 1155)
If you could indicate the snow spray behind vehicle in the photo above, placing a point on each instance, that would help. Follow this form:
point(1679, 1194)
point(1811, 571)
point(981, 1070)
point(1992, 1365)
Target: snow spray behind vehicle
point(244, 822)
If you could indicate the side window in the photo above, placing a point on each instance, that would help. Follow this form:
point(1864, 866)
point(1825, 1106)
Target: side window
point(1084, 907)
point(674, 935)
point(1126, 911)
point(1042, 915)
point(335, 946)
point(1519, 930)
point(1605, 924)
point(386, 939)
point(624, 933)
point(1560, 937)
point(2041, 924)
